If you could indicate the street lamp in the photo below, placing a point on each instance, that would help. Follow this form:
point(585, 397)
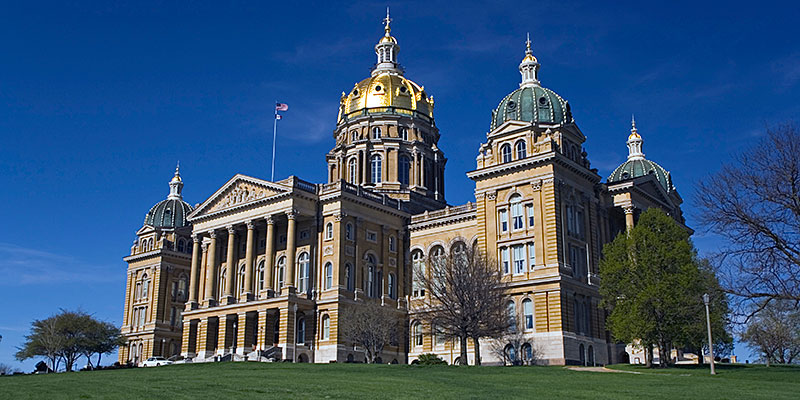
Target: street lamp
point(710, 346)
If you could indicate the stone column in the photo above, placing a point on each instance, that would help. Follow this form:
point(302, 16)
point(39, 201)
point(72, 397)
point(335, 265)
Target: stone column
point(422, 170)
point(365, 167)
point(291, 250)
point(415, 170)
point(269, 257)
point(201, 287)
point(244, 335)
point(195, 274)
point(231, 266)
point(401, 264)
point(286, 337)
point(211, 270)
point(248, 271)
point(262, 341)
point(628, 217)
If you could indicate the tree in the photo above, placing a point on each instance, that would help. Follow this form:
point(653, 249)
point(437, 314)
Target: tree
point(754, 203)
point(370, 326)
point(515, 348)
point(67, 336)
point(465, 297)
point(652, 286)
point(774, 331)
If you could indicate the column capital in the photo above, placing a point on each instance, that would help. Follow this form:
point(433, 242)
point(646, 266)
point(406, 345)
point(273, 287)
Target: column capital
point(536, 185)
point(338, 216)
point(292, 214)
point(250, 225)
point(231, 229)
point(195, 237)
point(268, 219)
point(628, 209)
point(204, 245)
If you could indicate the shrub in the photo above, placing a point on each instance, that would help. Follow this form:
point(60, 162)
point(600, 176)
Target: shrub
point(430, 359)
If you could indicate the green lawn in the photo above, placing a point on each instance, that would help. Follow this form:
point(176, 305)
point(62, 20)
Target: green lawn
point(281, 380)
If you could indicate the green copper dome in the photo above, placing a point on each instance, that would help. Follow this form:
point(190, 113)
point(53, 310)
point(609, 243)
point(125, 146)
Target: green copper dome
point(169, 213)
point(532, 104)
point(635, 168)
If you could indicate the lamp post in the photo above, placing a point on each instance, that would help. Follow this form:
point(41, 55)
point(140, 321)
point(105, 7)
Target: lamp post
point(710, 345)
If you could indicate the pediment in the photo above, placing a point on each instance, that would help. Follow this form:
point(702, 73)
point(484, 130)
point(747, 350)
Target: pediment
point(510, 126)
point(238, 191)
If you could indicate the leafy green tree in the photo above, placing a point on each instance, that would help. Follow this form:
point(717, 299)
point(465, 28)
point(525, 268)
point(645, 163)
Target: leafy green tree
point(100, 338)
point(652, 285)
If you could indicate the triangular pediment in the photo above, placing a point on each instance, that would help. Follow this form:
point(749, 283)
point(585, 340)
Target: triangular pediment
point(238, 191)
point(510, 126)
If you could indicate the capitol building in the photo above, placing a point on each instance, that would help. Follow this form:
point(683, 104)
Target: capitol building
point(263, 269)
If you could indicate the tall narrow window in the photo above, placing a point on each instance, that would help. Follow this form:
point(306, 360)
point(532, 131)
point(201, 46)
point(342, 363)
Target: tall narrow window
point(348, 231)
point(328, 275)
point(418, 270)
point(403, 133)
point(241, 280)
point(145, 286)
point(519, 258)
point(517, 217)
point(531, 256)
point(329, 230)
point(376, 164)
point(281, 272)
point(354, 135)
point(392, 244)
point(301, 330)
point(370, 283)
point(512, 316)
point(417, 332)
point(529, 211)
point(503, 220)
point(352, 172)
point(404, 170)
point(326, 327)
point(521, 152)
point(392, 284)
point(303, 265)
point(505, 260)
point(261, 276)
point(527, 310)
point(376, 132)
point(506, 152)
point(348, 277)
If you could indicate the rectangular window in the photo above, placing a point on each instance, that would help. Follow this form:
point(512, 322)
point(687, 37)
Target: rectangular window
point(581, 228)
point(529, 211)
point(517, 217)
point(531, 255)
point(519, 258)
point(503, 221)
point(392, 244)
point(505, 262)
point(304, 234)
point(372, 236)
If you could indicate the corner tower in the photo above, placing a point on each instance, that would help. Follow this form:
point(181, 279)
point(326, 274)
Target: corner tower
point(386, 137)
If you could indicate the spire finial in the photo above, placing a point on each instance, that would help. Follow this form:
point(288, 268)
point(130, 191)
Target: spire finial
point(528, 44)
point(176, 184)
point(633, 123)
point(386, 22)
point(634, 142)
point(529, 67)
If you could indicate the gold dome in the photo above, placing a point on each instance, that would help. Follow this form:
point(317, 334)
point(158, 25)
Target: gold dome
point(634, 135)
point(388, 39)
point(378, 93)
point(530, 57)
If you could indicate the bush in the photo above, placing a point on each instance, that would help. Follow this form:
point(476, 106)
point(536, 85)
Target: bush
point(430, 359)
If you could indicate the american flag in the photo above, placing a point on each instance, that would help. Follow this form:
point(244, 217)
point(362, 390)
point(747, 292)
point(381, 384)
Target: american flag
point(281, 107)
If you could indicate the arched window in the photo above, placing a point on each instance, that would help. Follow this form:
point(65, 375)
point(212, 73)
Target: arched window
point(328, 275)
point(391, 283)
point(512, 316)
point(418, 270)
point(527, 310)
point(517, 214)
point(303, 265)
point(521, 151)
point(582, 354)
point(352, 171)
point(438, 333)
point(329, 230)
point(261, 275)
point(181, 245)
point(376, 132)
point(223, 273)
point(348, 277)
point(527, 353)
point(459, 251)
point(376, 164)
point(511, 354)
point(183, 284)
point(370, 282)
point(145, 286)
point(404, 170)
point(281, 272)
point(353, 135)
point(506, 152)
point(301, 330)
point(416, 330)
point(348, 231)
point(326, 327)
point(240, 278)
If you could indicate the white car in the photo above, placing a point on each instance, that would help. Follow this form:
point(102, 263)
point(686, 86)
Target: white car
point(156, 362)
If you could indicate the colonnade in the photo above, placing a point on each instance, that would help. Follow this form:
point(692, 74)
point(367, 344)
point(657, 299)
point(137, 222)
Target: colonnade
point(205, 267)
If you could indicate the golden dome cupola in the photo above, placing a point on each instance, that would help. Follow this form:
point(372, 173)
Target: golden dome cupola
point(387, 50)
point(529, 67)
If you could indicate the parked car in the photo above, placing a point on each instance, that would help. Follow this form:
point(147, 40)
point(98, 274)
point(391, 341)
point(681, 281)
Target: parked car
point(156, 362)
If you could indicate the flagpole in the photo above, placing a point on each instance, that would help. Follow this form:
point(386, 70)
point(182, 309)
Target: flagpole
point(274, 135)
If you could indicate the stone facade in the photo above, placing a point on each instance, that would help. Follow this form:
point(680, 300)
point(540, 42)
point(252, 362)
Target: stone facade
point(262, 270)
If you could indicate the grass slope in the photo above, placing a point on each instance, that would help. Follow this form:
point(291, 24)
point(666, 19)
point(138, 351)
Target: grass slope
point(281, 380)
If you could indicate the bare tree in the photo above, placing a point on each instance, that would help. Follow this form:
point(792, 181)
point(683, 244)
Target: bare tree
point(370, 326)
point(514, 348)
point(465, 297)
point(774, 331)
point(754, 203)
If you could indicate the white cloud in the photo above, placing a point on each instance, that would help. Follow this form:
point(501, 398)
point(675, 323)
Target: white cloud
point(23, 266)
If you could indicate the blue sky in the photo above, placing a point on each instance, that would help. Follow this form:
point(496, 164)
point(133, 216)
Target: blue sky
point(98, 101)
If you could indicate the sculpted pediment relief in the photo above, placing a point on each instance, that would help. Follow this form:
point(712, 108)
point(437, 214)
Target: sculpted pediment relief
point(239, 190)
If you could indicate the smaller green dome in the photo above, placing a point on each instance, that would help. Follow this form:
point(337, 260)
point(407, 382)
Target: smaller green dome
point(640, 167)
point(532, 103)
point(169, 213)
